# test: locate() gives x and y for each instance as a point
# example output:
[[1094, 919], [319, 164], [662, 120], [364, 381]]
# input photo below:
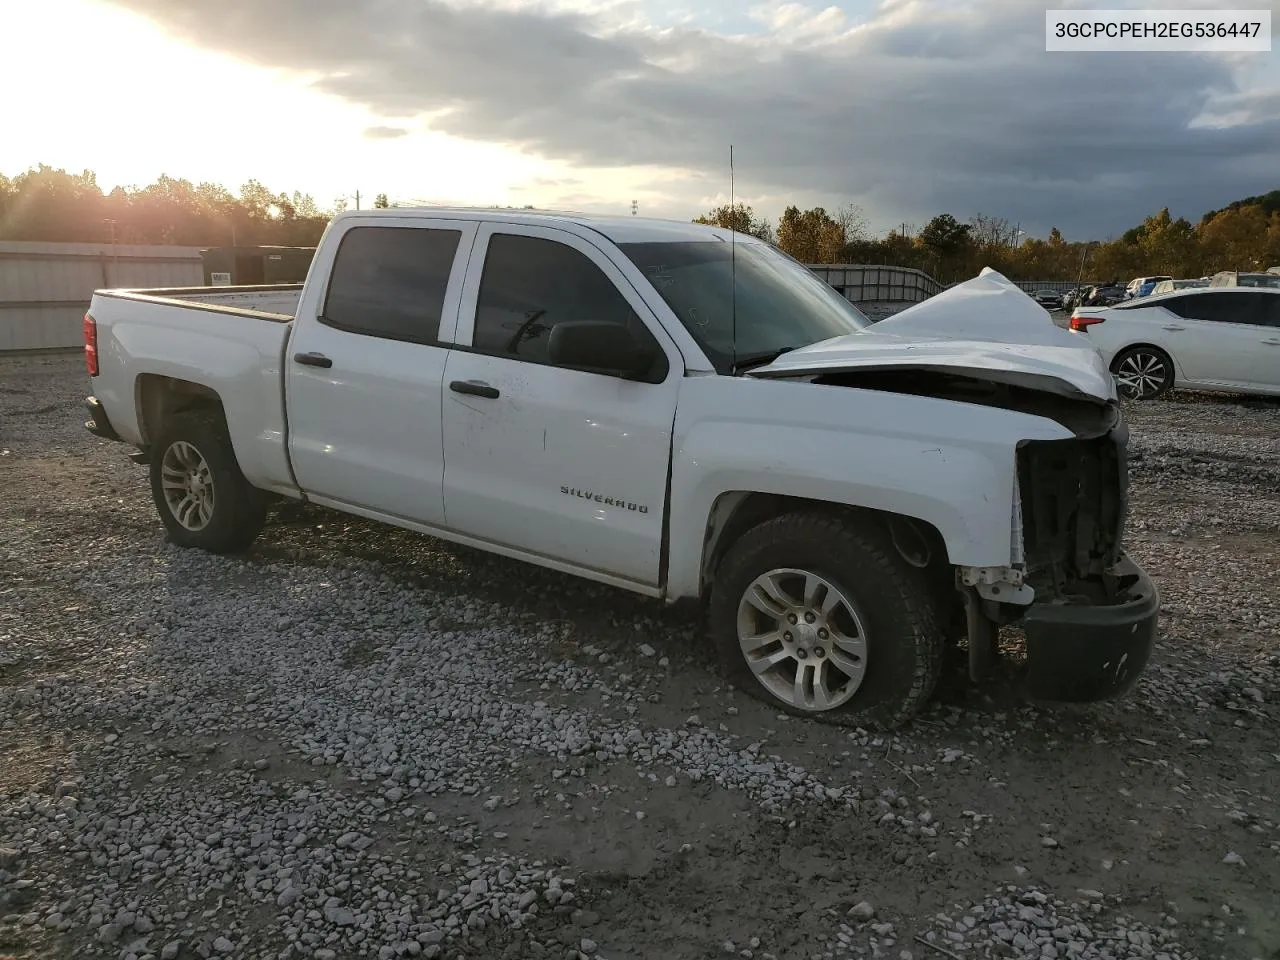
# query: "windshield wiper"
[[760, 359]]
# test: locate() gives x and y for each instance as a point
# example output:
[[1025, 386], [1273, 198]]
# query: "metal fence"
[[1057, 286], [862, 283], [45, 288]]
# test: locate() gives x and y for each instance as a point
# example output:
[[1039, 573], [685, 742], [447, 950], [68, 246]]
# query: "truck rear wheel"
[[814, 614], [202, 497]]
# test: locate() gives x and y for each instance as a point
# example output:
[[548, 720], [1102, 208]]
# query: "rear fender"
[[237, 358]]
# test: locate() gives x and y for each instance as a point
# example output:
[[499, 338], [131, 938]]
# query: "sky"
[[906, 108]]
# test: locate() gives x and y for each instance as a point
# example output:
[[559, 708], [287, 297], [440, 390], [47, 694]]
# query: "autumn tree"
[[1169, 245], [1235, 240], [45, 203], [739, 218], [811, 236], [1117, 262], [1273, 239]]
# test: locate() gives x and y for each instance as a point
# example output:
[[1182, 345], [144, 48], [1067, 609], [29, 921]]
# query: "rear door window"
[[390, 282], [1271, 309], [1223, 307]]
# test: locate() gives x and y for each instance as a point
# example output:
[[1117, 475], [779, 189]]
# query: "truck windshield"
[[780, 306]]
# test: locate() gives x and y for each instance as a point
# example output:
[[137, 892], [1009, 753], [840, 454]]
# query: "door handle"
[[312, 360], [1274, 342], [1173, 326], [474, 388]]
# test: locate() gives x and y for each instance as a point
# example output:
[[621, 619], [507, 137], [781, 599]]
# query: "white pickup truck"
[[670, 409]]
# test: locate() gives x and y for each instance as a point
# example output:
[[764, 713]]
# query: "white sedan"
[[1224, 339]]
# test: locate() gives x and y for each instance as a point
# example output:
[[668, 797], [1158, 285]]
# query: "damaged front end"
[[1091, 628], [1088, 612]]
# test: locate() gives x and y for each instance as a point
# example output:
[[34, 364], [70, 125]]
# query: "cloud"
[[925, 105], [543, 183], [385, 133]]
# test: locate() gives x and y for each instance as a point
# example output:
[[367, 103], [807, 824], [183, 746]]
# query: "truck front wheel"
[[202, 497], [816, 614]]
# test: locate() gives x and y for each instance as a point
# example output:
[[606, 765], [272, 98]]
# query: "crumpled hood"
[[985, 328]]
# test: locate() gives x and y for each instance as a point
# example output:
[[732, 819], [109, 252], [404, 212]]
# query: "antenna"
[[733, 272]]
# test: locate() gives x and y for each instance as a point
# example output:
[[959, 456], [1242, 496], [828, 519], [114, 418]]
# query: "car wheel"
[[819, 615], [1142, 373], [202, 497]]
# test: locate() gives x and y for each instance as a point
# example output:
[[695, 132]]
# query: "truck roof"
[[619, 229]]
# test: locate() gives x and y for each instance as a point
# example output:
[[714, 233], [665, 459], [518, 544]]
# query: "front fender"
[[949, 464]]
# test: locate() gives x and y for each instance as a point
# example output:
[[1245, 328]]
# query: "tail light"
[[91, 344], [1081, 324]]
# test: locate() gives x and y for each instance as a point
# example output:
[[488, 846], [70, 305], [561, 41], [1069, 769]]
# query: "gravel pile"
[[1032, 923], [357, 742]]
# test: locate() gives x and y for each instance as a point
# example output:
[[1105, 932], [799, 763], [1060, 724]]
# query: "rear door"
[[1266, 370], [563, 463], [1213, 336], [366, 364]]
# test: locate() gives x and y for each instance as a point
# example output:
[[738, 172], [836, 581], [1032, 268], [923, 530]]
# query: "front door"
[[563, 463], [366, 364]]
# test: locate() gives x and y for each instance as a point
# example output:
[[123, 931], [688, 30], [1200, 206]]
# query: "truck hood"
[[985, 328]]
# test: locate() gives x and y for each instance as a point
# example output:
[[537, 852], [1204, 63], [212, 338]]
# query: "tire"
[[193, 450], [889, 662], [1142, 373]]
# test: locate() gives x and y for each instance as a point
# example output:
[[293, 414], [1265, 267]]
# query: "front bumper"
[[98, 423], [1080, 653]]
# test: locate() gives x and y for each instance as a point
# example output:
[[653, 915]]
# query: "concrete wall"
[[45, 288]]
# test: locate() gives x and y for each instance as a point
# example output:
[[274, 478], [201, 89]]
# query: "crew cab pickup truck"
[[675, 410]]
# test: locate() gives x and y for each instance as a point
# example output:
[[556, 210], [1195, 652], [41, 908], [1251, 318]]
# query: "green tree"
[[946, 242], [380, 202], [944, 236]]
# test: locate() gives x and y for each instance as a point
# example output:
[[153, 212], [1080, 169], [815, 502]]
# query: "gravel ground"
[[359, 742]]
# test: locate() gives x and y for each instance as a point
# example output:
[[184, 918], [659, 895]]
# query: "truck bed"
[[230, 337], [276, 302]]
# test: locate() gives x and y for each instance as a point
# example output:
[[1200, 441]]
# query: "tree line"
[[51, 204], [45, 203], [1242, 236]]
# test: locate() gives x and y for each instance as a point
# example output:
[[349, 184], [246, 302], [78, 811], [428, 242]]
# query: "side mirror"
[[600, 346]]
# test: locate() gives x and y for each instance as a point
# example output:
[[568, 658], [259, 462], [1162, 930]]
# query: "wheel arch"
[[735, 512], [1149, 345], [161, 397]]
